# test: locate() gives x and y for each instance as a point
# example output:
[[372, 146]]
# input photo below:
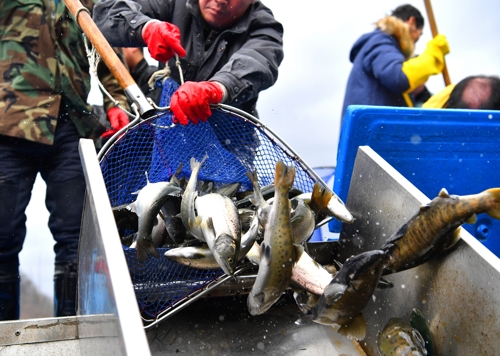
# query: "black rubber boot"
[[9, 298], [65, 284]]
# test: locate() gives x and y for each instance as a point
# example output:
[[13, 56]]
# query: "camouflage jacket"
[[43, 61]]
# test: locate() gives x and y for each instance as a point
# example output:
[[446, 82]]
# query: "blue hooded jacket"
[[376, 77]]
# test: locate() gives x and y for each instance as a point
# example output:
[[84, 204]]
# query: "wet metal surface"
[[105, 289], [223, 326], [458, 293]]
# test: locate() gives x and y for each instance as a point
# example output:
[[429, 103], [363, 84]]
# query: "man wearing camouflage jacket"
[[43, 114]]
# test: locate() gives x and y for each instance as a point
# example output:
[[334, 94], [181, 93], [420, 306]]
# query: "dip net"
[[235, 143]]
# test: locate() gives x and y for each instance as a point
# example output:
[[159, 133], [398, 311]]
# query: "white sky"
[[304, 106]]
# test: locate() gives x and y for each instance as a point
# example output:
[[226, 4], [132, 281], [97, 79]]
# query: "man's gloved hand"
[[118, 119], [163, 40], [430, 62], [191, 101]]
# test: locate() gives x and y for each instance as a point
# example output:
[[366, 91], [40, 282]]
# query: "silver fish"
[[220, 224], [188, 214], [278, 252], [149, 201], [202, 257], [303, 221]]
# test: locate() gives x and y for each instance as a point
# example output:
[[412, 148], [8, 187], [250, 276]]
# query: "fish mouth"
[[367, 263], [226, 253]]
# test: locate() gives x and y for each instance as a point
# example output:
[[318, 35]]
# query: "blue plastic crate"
[[454, 149]]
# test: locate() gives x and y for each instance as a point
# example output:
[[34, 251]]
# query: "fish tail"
[[255, 182], [145, 249], [194, 164], [354, 329], [285, 175], [320, 197], [494, 210]]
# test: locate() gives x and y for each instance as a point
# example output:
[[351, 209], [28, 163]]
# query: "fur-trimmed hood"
[[395, 27]]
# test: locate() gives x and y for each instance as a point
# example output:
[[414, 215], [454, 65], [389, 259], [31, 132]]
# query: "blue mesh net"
[[234, 144]]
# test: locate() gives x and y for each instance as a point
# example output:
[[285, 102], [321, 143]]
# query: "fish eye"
[[230, 260]]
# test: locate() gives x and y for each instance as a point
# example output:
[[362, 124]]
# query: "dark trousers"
[[60, 167]]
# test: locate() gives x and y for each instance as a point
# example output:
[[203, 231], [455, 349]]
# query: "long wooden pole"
[[434, 30]]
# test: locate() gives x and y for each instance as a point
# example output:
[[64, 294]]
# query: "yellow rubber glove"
[[437, 101], [430, 62]]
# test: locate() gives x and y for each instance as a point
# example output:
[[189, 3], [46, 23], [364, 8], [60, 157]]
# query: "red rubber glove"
[[118, 119], [191, 101], [163, 40]]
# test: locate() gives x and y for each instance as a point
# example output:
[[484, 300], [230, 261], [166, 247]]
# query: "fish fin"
[[266, 254], [284, 175], [210, 224], [132, 207], [443, 193], [299, 250], [255, 182], [471, 219], [424, 207], [494, 211], [198, 220], [355, 328], [179, 169], [384, 284], [146, 248], [453, 239]]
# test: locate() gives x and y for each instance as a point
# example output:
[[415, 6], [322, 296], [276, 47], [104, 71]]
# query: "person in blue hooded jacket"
[[384, 71]]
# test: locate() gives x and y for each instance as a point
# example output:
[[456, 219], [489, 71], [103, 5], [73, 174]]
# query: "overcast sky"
[[304, 106]]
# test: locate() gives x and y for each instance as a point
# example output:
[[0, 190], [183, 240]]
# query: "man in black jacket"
[[230, 49]]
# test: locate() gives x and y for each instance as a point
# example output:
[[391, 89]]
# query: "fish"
[[220, 224], [159, 233], [436, 227], [147, 206], [188, 214], [303, 221], [347, 295], [246, 217], [173, 223], [125, 219], [418, 322], [307, 274], [399, 338], [278, 252], [202, 257], [324, 202]]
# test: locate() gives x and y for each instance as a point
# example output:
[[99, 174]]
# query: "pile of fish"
[[211, 228]]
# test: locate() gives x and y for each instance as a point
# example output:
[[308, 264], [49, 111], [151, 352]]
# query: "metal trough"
[[458, 293]]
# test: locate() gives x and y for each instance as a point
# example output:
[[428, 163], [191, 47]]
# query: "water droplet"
[[416, 139]]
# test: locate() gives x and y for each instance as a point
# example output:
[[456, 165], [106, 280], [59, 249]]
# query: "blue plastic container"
[[444, 148]]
